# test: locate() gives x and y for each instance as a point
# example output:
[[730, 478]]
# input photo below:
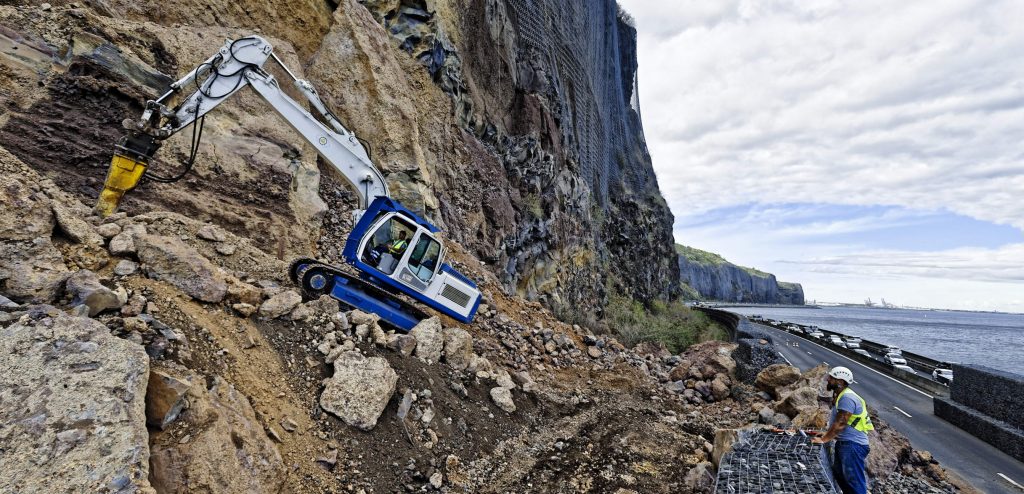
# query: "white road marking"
[[901, 411], [784, 358], [1008, 479], [893, 379], [809, 353]]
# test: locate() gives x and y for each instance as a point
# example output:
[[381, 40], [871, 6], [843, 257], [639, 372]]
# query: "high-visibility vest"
[[398, 246], [860, 421]]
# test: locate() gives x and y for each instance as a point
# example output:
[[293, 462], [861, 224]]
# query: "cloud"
[[829, 102]]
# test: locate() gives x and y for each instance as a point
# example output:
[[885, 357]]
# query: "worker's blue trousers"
[[848, 467]]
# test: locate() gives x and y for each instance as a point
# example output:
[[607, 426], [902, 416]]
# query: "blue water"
[[992, 340]]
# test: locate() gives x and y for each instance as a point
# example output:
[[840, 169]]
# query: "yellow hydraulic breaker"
[[131, 157]]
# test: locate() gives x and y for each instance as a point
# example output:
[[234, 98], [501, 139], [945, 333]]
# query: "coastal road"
[[909, 410]]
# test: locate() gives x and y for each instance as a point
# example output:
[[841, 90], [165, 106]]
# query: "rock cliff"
[[713, 278], [513, 125]]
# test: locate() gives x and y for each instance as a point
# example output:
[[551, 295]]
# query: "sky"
[[863, 149]]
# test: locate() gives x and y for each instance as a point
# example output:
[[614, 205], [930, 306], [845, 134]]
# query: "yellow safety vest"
[[860, 421], [398, 246]]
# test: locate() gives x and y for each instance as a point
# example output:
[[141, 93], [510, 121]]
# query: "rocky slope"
[[710, 277], [512, 125], [156, 352]]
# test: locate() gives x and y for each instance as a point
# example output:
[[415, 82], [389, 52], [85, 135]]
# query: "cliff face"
[[714, 278], [512, 124]]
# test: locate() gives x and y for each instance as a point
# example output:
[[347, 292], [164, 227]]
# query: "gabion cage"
[[765, 462]]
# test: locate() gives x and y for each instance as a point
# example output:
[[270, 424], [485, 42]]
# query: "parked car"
[[904, 368], [852, 344], [894, 359], [893, 349], [943, 376], [817, 335], [862, 352]]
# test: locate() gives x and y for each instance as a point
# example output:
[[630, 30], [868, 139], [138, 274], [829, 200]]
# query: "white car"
[[943, 376], [817, 334], [904, 368], [853, 342], [863, 352], [893, 349], [837, 341], [894, 359]]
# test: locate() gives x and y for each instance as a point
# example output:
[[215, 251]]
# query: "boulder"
[[125, 243], [85, 288], [776, 376], [32, 271], [165, 395], [811, 417], [720, 387], [125, 267], [358, 317], [171, 260], [458, 348], [72, 407], [243, 293], [26, 215], [212, 233], [359, 390], [681, 371], [402, 343], [228, 450], [280, 304], [793, 401], [320, 309], [503, 398], [429, 339], [75, 227], [108, 230]]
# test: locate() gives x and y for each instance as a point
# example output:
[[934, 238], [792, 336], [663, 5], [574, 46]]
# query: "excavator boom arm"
[[237, 64]]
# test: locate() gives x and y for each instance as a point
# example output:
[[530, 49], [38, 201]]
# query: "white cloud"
[[833, 102], [918, 105]]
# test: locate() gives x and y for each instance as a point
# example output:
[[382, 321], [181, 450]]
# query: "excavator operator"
[[398, 245]]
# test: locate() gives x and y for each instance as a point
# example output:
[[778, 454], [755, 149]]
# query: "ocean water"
[[989, 339]]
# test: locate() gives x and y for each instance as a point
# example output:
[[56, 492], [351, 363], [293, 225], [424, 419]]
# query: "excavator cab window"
[[388, 244], [423, 261]]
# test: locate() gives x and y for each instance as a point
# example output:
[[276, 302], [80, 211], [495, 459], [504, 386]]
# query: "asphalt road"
[[909, 410]]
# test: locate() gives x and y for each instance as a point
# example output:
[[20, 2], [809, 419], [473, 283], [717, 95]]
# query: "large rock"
[[793, 401], [359, 390], [228, 450], [502, 397], [776, 376], [280, 304], [72, 408], [75, 227], [429, 339], [85, 288], [165, 395], [458, 348], [171, 260], [31, 268]]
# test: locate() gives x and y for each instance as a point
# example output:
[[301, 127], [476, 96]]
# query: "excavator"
[[397, 255]]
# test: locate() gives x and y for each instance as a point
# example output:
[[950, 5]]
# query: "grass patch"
[[673, 324], [711, 259]]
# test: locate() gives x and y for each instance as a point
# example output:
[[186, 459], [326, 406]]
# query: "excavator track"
[[317, 279]]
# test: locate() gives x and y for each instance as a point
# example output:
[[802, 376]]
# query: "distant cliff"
[[708, 276]]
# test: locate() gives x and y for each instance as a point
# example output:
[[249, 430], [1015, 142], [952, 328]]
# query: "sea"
[[986, 338]]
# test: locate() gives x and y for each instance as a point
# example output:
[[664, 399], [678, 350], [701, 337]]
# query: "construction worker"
[[398, 246], [848, 424]]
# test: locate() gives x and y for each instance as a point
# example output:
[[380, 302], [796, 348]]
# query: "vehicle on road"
[[816, 334], [863, 352], [894, 359], [943, 376], [893, 349], [853, 342], [837, 341], [904, 368]]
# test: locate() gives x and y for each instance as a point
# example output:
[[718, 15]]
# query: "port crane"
[[394, 251]]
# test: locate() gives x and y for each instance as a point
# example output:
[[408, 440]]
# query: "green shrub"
[[673, 323]]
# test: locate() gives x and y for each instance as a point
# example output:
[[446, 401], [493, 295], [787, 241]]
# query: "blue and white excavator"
[[395, 252]]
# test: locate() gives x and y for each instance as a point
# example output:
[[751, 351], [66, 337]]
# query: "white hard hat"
[[842, 373]]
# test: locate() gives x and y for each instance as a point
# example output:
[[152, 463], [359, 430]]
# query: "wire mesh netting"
[[765, 462], [590, 64]]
